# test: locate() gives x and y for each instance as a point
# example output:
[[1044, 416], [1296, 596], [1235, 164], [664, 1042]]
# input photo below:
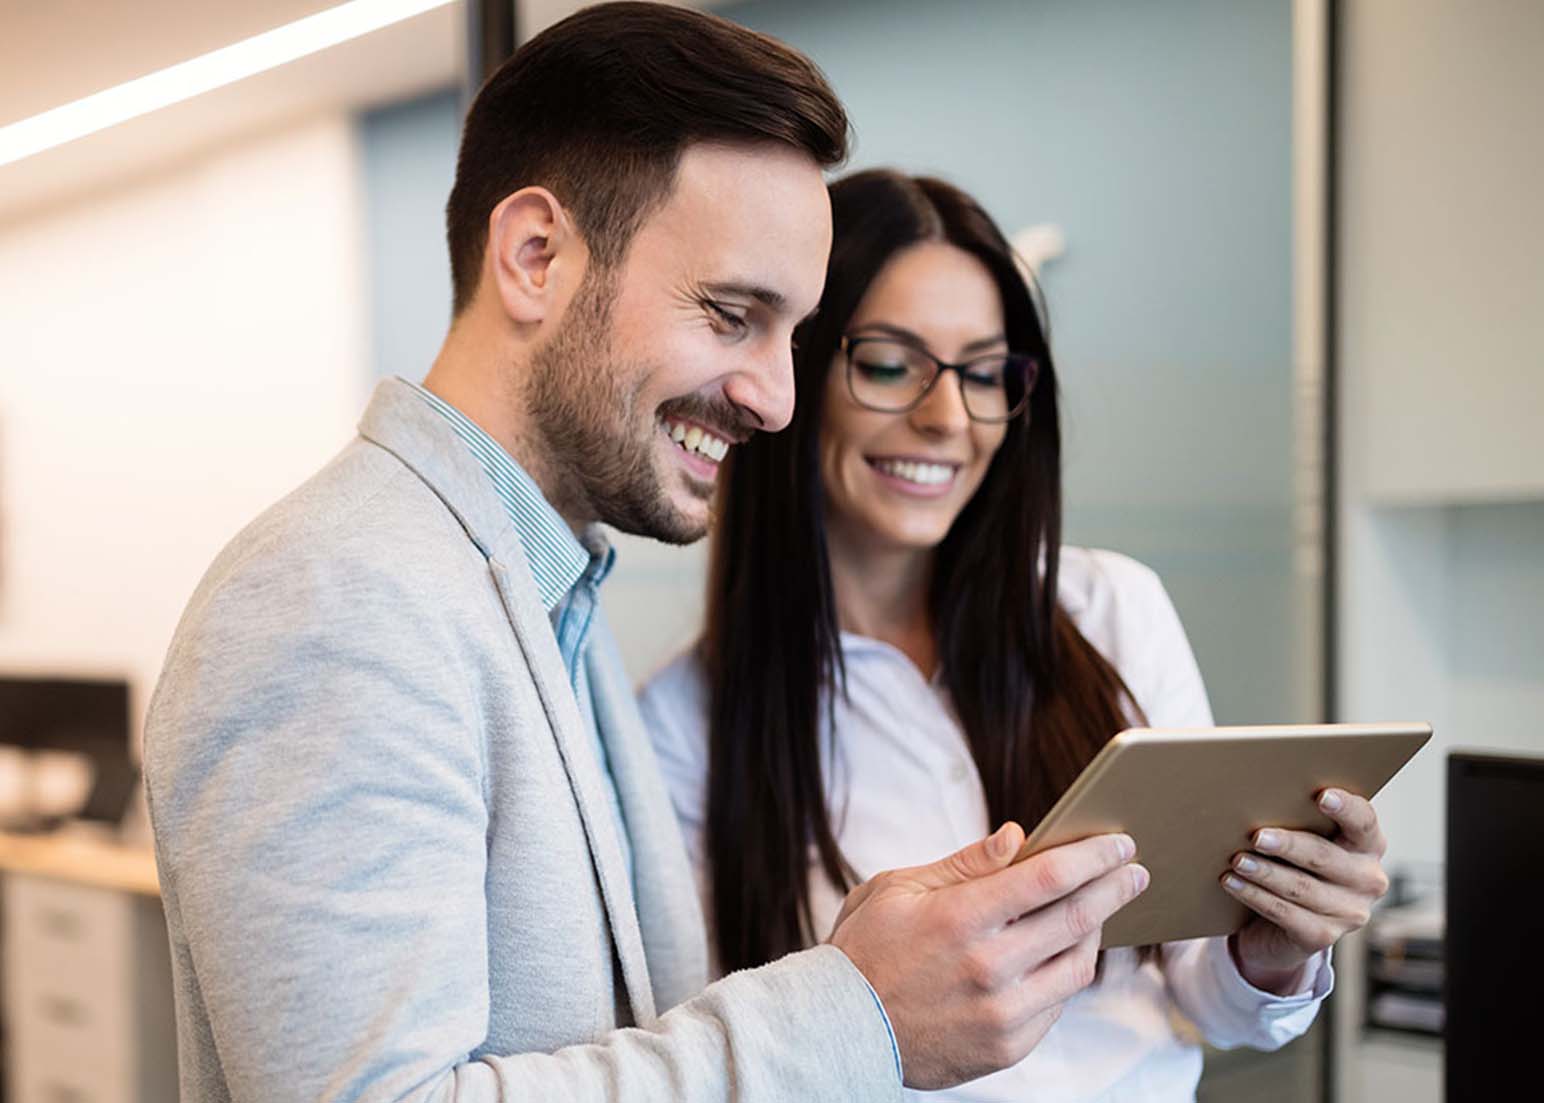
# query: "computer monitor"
[[1494, 968], [90, 717]]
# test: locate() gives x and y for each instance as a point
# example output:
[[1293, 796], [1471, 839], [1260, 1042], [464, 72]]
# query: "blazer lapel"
[[402, 423], [534, 631], [668, 907]]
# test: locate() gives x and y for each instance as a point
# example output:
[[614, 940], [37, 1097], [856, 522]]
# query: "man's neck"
[[465, 374]]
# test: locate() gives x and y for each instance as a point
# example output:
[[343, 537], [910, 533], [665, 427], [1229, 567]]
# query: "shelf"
[[81, 860]]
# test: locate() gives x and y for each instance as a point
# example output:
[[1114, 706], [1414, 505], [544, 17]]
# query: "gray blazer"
[[390, 867]]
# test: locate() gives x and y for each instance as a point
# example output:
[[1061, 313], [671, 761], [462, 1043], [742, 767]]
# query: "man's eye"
[[724, 316]]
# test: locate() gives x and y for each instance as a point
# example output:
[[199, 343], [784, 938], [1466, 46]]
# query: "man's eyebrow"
[[766, 296]]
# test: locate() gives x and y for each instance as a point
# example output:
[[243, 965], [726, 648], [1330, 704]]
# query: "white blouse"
[[904, 790]]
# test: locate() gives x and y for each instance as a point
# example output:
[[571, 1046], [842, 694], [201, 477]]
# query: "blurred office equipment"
[[1495, 907], [64, 752], [86, 991], [1405, 960]]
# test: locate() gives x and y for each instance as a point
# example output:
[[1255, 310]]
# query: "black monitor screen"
[[89, 717], [1495, 926]]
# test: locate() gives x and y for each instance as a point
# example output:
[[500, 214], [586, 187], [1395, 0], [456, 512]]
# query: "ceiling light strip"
[[202, 74]]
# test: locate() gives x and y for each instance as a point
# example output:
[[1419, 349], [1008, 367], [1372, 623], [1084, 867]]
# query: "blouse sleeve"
[[675, 712], [1202, 978]]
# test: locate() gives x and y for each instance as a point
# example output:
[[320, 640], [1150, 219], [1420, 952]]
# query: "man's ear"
[[536, 255]]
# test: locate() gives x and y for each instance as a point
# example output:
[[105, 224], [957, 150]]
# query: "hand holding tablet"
[[1306, 891], [1198, 800]]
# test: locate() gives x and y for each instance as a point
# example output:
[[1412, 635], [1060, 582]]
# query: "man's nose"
[[765, 390]]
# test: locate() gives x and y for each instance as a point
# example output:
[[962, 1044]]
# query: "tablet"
[[1193, 797]]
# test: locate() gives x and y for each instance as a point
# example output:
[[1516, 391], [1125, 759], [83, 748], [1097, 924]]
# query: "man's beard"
[[583, 400]]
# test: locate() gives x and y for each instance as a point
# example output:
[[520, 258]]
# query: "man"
[[413, 843]]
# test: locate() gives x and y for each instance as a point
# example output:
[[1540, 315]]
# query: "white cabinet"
[[87, 995], [1441, 242]]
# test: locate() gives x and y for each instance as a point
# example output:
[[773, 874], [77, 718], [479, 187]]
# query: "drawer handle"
[[62, 1011], [61, 924]]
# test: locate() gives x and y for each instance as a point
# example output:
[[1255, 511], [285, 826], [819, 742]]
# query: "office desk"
[[87, 992]]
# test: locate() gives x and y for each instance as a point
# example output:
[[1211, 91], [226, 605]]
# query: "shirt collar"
[[558, 559]]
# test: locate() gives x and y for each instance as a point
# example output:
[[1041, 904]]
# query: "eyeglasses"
[[894, 376]]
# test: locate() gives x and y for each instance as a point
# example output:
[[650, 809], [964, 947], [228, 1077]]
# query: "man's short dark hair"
[[599, 108]]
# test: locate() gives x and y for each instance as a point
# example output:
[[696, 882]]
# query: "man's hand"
[[1307, 892], [973, 956]]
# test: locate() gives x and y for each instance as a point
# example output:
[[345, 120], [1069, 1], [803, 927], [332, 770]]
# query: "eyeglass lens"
[[893, 376]]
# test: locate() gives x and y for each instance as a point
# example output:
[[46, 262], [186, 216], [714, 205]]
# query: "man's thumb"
[[979, 859]]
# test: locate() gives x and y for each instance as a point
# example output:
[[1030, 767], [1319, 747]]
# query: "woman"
[[899, 654]]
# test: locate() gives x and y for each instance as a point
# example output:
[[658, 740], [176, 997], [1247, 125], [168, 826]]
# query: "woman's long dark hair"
[[1035, 699]]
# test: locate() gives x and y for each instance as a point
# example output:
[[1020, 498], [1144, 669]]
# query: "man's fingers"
[[1074, 919], [1046, 877], [1356, 819], [1066, 974]]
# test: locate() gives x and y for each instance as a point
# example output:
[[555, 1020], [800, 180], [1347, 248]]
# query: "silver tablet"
[[1193, 797]]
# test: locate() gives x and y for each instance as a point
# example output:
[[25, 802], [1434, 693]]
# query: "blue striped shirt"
[[568, 572]]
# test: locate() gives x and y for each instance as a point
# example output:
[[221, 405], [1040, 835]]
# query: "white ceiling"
[[56, 51]]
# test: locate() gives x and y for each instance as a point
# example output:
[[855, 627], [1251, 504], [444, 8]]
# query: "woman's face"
[[898, 480]]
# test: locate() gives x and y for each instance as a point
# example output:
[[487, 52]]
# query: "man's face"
[[662, 365]]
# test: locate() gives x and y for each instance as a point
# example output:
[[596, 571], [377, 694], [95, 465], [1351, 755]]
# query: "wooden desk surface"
[[82, 860]]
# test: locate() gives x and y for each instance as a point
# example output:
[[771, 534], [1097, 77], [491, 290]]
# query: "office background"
[[187, 329]]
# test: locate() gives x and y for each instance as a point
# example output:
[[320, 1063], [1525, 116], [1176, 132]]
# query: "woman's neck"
[[882, 593]]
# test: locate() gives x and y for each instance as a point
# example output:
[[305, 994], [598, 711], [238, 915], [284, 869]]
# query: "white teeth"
[[923, 474], [693, 438]]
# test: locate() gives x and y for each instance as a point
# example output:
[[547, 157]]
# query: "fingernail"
[[997, 845], [1330, 801], [1140, 878], [1267, 841], [1246, 864], [1126, 847], [1232, 883]]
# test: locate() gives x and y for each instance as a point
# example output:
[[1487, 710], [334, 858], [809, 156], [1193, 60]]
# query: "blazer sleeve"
[[317, 793]]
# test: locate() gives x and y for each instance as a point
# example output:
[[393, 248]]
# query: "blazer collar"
[[400, 421]]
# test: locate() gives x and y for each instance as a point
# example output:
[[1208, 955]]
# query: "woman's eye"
[[882, 373], [988, 373]]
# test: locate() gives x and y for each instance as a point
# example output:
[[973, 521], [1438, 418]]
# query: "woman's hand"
[[1306, 891]]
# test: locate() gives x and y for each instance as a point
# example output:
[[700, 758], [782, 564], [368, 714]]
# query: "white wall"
[[174, 356]]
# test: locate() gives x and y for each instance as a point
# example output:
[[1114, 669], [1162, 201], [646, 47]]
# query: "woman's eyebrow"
[[889, 330], [983, 343], [904, 334]]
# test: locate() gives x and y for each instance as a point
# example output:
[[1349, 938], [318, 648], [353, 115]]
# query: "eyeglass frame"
[[845, 345]]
